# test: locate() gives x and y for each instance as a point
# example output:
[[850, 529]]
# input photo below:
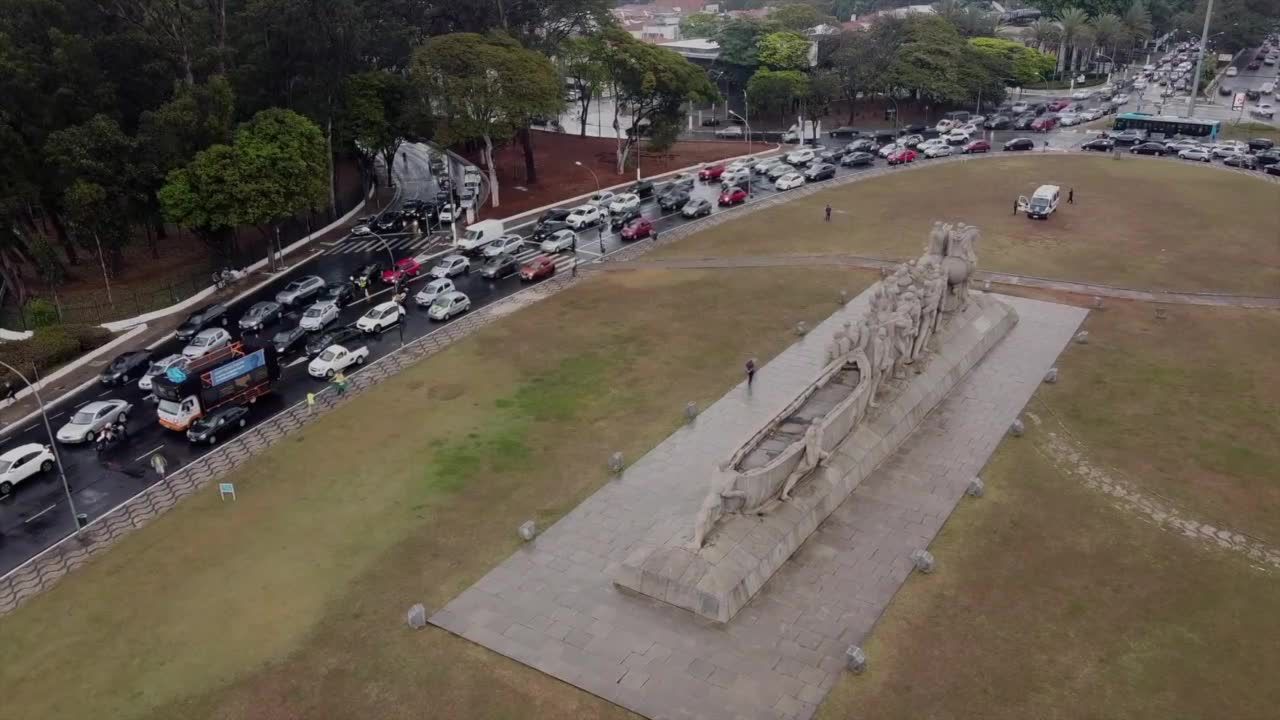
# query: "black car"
[[861, 145], [858, 159], [206, 317], [642, 188], [1148, 148], [820, 171], [911, 141], [710, 121], [125, 367], [1273, 169], [1099, 145], [831, 156], [1129, 137], [1024, 121], [547, 230], [844, 132], [391, 221], [683, 184], [617, 221], [913, 129], [1268, 157], [554, 215], [218, 424], [1242, 161], [673, 199], [288, 340], [1224, 91], [366, 273], [260, 315], [337, 336], [1040, 108], [1259, 144], [338, 293], [1253, 94], [499, 266], [998, 122], [1020, 144], [697, 207]]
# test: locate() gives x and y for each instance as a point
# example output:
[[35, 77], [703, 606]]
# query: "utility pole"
[[106, 280], [1195, 81]]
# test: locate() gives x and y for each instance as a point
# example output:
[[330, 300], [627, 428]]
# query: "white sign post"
[[225, 489]]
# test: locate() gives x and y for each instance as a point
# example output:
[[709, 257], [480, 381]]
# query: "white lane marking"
[[54, 417], [30, 427], [588, 252], [149, 452], [104, 392], [299, 361], [86, 402], [42, 512]]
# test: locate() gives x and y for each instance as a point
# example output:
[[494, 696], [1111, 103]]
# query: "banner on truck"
[[236, 368]]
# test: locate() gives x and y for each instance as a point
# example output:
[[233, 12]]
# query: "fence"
[[95, 307]]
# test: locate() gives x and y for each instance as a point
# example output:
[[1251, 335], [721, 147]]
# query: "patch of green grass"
[[1250, 130], [1135, 222]]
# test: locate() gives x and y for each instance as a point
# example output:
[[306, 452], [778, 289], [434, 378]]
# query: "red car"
[[711, 172], [539, 268], [1044, 124], [405, 268], [1057, 105], [637, 229], [732, 196], [977, 146], [902, 156]]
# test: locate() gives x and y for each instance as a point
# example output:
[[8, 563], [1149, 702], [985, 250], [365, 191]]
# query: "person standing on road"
[[1071, 196], [1045, 146], [340, 383], [600, 234], [751, 371], [828, 217], [1015, 207]]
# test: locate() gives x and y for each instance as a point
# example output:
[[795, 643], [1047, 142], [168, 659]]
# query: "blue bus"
[[1169, 125]]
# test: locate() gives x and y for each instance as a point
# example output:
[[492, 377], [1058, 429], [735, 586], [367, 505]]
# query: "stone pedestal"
[[744, 551]]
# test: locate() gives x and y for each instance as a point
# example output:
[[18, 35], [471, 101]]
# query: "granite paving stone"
[[783, 652]]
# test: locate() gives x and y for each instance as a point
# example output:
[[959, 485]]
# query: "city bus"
[[1169, 125]]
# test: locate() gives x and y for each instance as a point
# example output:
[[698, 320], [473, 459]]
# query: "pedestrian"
[[1071, 196], [828, 218], [340, 383], [1045, 146], [600, 232], [1015, 207], [311, 402], [751, 371]]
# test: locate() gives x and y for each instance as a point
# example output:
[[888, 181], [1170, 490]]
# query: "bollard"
[[1161, 313], [986, 285], [855, 659], [976, 488], [1017, 428], [844, 297], [527, 530], [690, 411], [1097, 302], [802, 327], [615, 463], [923, 561], [1082, 337], [1051, 377], [417, 616]]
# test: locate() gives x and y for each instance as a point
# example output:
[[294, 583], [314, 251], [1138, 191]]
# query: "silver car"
[[451, 265], [160, 367], [90, 419], [300, 290], [448, 305]]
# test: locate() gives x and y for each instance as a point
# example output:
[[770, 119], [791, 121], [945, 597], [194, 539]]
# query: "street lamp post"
[[750, 180], [53, 446], [746, 109], [593, 174], [1195, 81]]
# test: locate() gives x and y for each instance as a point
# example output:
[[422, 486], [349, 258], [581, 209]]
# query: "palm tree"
[[1137, 23], [1045, 34], [1083, 48], [1073, 22], [1109, 31]]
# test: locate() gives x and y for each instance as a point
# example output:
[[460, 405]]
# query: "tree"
[[1045, 33], [378, 114], [776, 90], [797, 17], [1109, 32], [487, 87], [784, 51], [282, 168], [206, 195], [926, 64], [1025, 65], [700, 25], [582, 65], [1137, 22], [176, 22], [739, 41], [1074, 23], [650, 84], [860, 61]]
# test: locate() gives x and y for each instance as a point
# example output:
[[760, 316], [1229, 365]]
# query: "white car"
[[559, 241], [318, 316], [968, 128], [1263, 110], [624, 203], [938, 151], [21, 463], [447, 213], [1140, 85], [958, 137], [448, 305], [361, 231], [503, 244], [944, 125], [1229, 148], [1082, 95], [803, 156], [788, 181], [90, 419], [450, 265], [433, 290], [602, 198], [1233, 71], [334, 359], [158, 368], [1195, 154], [890, 149], [1093, 114], [380, 317], [744, 163], [1120, 99], [762, 167], [1020, 107], [583, 216], [205, 342], [1067, 119]]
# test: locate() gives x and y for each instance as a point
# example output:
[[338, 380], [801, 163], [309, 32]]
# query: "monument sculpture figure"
[[812, 457]]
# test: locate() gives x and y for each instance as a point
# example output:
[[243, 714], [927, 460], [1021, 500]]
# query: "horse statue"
[[959, 264]]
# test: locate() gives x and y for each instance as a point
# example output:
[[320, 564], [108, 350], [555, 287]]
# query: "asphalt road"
[[35, 515]]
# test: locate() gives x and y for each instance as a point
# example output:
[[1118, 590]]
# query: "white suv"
[[803, 156], [583, 216]]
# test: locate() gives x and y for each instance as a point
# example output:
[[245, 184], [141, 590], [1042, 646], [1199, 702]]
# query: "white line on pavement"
[[104, 392], [149, 452], [33, 517], [33, 426], [86, 402]]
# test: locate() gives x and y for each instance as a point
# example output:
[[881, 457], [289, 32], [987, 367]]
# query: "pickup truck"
[[335, 359]]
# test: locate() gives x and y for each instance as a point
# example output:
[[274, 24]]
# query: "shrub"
[[41, 313], [49, 347]]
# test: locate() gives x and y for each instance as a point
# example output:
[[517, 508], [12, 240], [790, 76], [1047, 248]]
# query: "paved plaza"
[[552, 604]]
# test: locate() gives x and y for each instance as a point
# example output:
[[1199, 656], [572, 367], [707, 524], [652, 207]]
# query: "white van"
[[480, 234], [1044, 202]]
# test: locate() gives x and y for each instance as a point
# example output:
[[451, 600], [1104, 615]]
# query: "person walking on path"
[[1015, 207], [311, 403], [751, 371], [828, 218], [340, 383], [1071, 196]]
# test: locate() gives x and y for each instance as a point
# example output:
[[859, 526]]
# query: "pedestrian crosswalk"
[[563, 260], [361, 244]]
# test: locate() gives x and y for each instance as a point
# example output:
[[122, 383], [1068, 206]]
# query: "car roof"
[[209, 332], [452, 257], [451, 295], [15, 452], [382, 306], [97, 405], [440, 282]]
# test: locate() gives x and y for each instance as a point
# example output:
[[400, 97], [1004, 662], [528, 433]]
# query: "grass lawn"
[[1052, 602], [1249, 130], [290, 602], [1136, 223]]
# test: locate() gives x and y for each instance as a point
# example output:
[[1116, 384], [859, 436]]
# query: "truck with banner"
[[235, 374]]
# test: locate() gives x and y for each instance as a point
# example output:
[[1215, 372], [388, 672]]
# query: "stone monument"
[[922, 331]]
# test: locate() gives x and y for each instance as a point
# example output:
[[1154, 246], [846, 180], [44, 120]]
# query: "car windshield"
[[283, 336], [443, 302], [82, 418], [203, 423], [314, 312], [5, 465], [1039, 204], [328, 355], [201, 340], [295, 285]]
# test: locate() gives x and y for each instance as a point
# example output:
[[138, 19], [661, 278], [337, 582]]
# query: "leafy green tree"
[[739, 41], [97, 163], [1045, 34], [488, 87], [379, 114], [1109, 33], [1026, 65], [582, 65], [1137, 22], [700, 25], [776, 90], [1074, 23], [798, 17], [206, 196], [927, 60], [650, 86], [784, 51], [860, 61]]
